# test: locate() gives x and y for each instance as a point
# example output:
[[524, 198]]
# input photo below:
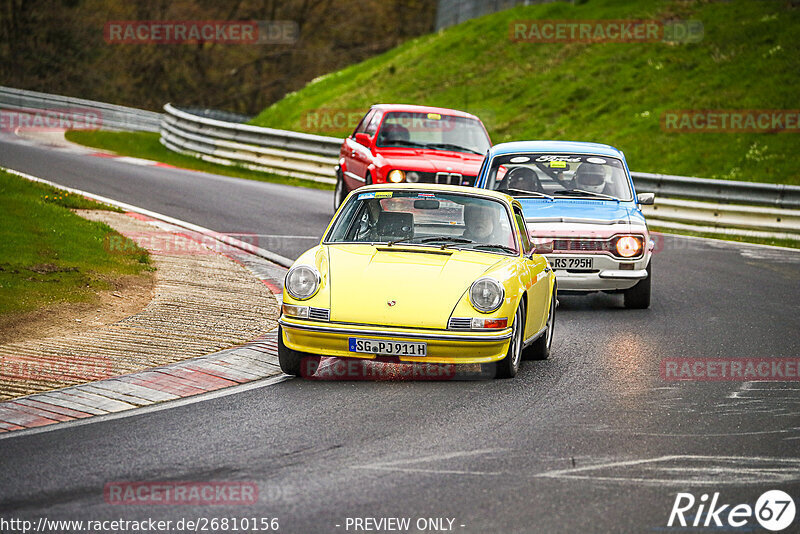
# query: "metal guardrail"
[[314, 157], [724, 216], [722, 191], [294, 154], [111, 116]]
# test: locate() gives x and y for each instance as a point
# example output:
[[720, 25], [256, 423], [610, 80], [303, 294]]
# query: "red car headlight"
[[396, 176]]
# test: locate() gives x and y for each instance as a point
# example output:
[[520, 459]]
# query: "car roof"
[[411, 108], [577, 147], [472, 191]]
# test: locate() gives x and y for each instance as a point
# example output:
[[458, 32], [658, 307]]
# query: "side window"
[[364, 122], [526, 239], [375, 120]]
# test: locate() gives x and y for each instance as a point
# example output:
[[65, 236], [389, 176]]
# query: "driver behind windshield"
[[522, 179], [591, 177], [479, 223]]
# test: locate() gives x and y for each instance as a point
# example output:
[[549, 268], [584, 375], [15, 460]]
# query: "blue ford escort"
[[582, 213]]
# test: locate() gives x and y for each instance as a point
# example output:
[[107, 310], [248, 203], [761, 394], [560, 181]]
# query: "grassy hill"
[[749, 58]]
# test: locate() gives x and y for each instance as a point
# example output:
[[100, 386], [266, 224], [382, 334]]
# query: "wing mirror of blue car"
[[363, 139], [545, 247], [646, 199]]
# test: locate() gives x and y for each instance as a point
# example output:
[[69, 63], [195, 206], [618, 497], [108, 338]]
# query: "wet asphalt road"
[[592, 440]]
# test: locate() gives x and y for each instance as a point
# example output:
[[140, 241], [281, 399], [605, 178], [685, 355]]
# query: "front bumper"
[[607, 275], [444, 346]]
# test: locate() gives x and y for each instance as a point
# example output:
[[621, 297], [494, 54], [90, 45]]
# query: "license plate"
[[392, 348], [572, 263]]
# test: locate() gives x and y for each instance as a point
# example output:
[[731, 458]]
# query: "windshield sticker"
[[519, 159], [599, 161], [426, 195], [558, 164], [383, 194], [434, 116], [559, 158], [366, 196]]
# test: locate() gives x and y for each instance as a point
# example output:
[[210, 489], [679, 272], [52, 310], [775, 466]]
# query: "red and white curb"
[[250, 363], [134, 161]]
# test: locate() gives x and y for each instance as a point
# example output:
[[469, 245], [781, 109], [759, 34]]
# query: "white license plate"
[[392, 348], [572, 263]]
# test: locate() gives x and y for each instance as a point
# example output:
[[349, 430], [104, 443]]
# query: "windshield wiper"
[[403, 142], [501, 247], [524, 193], [450, 146], [581, 192], [453, 240]]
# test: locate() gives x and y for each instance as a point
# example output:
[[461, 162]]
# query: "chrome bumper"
[[349, 330]]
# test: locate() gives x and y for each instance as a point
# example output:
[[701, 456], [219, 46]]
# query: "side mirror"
[[646, 199], [363, 139], [545, 247]]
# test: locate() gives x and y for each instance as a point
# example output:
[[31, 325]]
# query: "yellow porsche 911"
[[420, 273]]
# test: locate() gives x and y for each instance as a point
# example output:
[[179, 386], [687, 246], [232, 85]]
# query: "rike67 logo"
[[774, 510]]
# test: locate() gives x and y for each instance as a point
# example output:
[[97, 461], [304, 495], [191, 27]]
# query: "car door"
[[355, 161], [535, 279]]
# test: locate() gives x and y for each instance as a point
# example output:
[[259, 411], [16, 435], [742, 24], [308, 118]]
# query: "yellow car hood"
[[424, 283]]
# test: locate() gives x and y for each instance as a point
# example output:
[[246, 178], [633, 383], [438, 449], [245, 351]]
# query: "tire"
[[638, 297], [293, 362], [540, 349], [340, 193], [508, 366]]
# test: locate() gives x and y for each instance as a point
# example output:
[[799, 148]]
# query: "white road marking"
[[398, 465], [786, 470]]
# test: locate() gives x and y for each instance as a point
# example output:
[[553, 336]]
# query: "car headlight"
[[302, 282], [486, 294], [412, 177], [396, 176], [628, 246]]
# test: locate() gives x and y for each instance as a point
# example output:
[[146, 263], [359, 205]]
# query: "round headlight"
[[412, 177], [396, 176], [302, 282], [628, 246], [486, 294]]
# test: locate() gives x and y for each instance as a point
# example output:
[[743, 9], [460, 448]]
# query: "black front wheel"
[[294, 362], [508, 366], [638, 297], [340, 193]]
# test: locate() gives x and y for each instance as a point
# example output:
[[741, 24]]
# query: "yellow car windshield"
[[425, 218]]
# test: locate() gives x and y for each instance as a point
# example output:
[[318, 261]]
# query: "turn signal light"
[[480, 322]]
